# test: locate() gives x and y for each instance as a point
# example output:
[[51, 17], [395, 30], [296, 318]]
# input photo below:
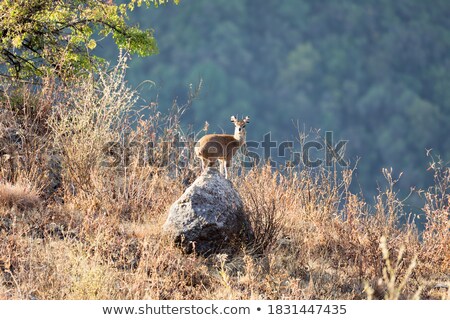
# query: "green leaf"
[[91, 44], [54, 35]]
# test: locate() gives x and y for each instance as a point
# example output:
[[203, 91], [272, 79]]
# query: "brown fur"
[[222, 147]]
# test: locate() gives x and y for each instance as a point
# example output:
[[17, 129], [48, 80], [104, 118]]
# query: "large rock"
[[209, 216]]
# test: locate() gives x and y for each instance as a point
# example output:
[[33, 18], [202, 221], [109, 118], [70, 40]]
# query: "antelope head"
[[239, 130]]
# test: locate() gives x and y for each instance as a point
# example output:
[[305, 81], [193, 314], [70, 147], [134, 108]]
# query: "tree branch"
[[14, 59]]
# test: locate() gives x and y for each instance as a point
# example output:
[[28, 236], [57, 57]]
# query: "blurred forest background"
[[375, 73]]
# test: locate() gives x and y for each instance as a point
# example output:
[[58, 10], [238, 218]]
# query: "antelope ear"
[[233, 119], [247, 119]]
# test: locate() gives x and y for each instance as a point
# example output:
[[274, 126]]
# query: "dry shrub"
[[85, 121], [393, 283], [24, 132], [262, 207], [55, 270], [20, 195], [134, 193], [328, 237], [435, 251]]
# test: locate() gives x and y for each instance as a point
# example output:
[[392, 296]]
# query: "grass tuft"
[[19, 195]]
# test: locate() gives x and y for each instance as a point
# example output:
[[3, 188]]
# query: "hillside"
[[81, 210]]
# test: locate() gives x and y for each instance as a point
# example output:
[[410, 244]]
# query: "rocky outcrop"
[[209, 216]]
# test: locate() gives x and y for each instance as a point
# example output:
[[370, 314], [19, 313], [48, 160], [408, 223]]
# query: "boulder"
[[208, 217]]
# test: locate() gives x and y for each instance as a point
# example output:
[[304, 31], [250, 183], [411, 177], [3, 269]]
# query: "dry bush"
[[85, 121], [24, 132], [435, 251], [18, 195], [262, 207], [394, 281], [329, 238]]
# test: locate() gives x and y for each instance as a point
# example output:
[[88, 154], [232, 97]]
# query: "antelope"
[[222, 147]]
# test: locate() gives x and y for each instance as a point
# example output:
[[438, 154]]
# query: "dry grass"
[[80, 230], [21, 196]]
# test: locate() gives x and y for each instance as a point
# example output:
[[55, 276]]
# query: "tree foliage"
[[38, 36]]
